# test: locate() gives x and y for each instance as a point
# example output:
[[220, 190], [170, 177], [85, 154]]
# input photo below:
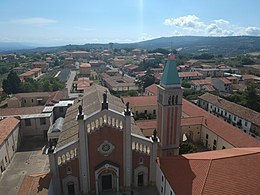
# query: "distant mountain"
[[12, 46], [189, 44], [214, 45]]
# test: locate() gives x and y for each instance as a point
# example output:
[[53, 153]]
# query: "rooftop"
[[190, 74], [92, 101], [226, 131], [236, 109], [7, 125], [229, 171], [170, 74], [152, 89], [21, 111], [141, 101]]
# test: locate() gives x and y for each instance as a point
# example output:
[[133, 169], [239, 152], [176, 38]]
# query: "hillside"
[[189, 44]]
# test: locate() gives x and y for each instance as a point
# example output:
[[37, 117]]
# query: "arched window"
[[176, 100], [169, 100], [173, 100]]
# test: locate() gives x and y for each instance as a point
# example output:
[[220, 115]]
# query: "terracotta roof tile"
[[189, 74], [233, 108], [228, 132], [229, 171], [152, 89], [7, 125], [141, 100], [21, 111]]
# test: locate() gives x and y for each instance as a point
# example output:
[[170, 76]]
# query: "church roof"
[[170, 74], [229, 171], [91, 103]]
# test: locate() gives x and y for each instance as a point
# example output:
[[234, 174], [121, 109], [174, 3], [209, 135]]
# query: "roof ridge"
[[206, 177]]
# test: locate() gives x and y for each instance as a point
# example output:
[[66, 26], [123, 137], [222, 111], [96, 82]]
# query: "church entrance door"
[[107, 182], [141, 179]]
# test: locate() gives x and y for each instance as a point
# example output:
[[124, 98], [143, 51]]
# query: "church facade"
[[101, 149]]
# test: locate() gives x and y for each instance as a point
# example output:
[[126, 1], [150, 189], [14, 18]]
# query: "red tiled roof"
[[146, 124], [85, 65], [225, 81], [141, 101], [201, 82], [228, 132], [152, 124], [152, 89], [189, 74], [35, 184], [236, 109], [229, 171], [21, 111], [7, 125]]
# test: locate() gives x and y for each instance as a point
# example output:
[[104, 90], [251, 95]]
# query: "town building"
[[151, 90], [33, 74], [9, 141], [138, 105], [244, 118], [204, 84], [84, 68], [118, 82], [230, 171], [101, 149], [188, 76], [222, 84]]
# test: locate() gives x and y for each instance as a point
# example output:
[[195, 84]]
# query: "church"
[[99, 148]]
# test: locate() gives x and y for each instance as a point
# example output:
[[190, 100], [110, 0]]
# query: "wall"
[[36, 129]]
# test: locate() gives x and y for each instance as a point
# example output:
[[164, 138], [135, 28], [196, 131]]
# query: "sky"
[[59, 22]]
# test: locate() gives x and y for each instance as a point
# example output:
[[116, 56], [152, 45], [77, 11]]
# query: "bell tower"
[[169, 100]]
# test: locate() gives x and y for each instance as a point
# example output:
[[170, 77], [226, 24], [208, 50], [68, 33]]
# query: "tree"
[[12, 84], [251, 98]]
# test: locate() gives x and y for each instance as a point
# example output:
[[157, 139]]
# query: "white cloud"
[[193, 25], [221, 21], [252, 31], [215, 30], [189, 21], [34, 21]]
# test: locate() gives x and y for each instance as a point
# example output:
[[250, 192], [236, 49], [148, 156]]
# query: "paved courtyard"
[[28, 160]]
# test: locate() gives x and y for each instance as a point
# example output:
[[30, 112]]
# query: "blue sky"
[[56, 22]]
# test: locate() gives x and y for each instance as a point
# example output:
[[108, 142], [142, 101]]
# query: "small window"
[[68, 170], [32, 100], [215, 142], [245, 123], [214, 148], [141, 160], [24, 101], [223, 147], [145, 111], [161, 189], [5, 159], [43, 121], [162, 178], [207, 136], [27, 122], [154, 111], [171, 193], [235, 118]]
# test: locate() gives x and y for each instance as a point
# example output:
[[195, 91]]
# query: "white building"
[[9, 141]]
